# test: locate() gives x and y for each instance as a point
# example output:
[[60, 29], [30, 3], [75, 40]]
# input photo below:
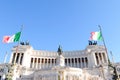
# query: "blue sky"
[[48, 23]]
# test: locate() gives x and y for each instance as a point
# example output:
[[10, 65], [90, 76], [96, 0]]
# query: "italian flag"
[[13, 38], [96, 36]]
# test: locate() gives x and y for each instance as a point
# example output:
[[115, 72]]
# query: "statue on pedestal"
[[59, 50], [60, 58]]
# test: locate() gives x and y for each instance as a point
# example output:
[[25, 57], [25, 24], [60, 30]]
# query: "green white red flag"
[[13, 38], [96, 36]]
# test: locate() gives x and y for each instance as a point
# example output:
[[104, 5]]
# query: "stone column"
[[15, 58], [40, 63], [47, 62], [37, 63], [81, 63], [99, 58], [53, 62], [74, 62], [105, 57], [77, 63], [50, 62], [19, 58], [33, 63], [71, 62], [85, 63], [43, 64], [93, 58], [67, 61], [102, 58], [11, 58]]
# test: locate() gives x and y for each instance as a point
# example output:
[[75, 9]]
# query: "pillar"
[[77, 63], [33, 63], [47, 62], [21, 59], [74, 62], [71, 62], [81, 63], [99, 58], [20, 55], [37, 63], [15, 58], [102, 57], [44, 63], [96, 56], [67, 61], [54, 62], [50, 62], [40, 63]]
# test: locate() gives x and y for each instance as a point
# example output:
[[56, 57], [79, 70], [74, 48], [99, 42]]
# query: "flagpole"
[[104, 43], [17, 47], [21, 33], [112, 57]]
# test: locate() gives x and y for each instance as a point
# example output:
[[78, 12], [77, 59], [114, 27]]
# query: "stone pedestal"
[[60, 61]]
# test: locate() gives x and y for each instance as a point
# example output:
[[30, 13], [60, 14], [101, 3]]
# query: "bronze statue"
[[59, 50]]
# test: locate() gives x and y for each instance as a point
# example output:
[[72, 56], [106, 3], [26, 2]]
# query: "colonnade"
[[40, 63], [77, 62], [100, 58], [17, 58]]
